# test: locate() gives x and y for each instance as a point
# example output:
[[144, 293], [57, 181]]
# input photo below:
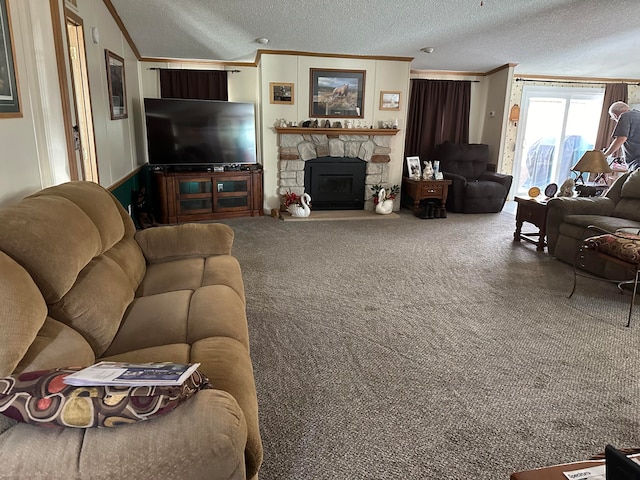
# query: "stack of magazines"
[[131, 374]]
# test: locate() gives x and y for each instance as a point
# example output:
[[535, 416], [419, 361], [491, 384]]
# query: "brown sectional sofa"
[[567, 219], [78, 284]]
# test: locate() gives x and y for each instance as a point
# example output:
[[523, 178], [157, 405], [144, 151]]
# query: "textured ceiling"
[[576, 38]]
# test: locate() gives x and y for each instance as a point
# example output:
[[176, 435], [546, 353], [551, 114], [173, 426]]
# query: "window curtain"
[[194, 84], [438, 111], [613, 92]]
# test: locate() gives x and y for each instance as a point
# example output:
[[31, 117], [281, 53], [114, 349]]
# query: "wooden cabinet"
[[416, 190], [193, 196]]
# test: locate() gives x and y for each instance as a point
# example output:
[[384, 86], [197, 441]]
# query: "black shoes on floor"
[[430, 210]]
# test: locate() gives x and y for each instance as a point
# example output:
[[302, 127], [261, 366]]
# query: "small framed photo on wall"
[[389, 100], [281, 93], [116, 85]]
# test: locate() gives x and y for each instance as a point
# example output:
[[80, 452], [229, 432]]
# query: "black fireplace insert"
[[335, 183]]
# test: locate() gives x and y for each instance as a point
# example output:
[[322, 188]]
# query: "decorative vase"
[[301, 210]]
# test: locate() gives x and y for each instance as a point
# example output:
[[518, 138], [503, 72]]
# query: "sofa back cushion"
[[22, 313], [468, 160], [76, 241], [629, 204]]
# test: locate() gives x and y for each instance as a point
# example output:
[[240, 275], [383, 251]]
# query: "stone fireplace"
[[295, 149]]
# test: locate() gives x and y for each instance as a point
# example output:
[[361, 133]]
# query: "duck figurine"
[[301, 211], [384, 207]]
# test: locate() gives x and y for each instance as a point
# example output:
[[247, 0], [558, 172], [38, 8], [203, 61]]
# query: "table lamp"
[[593, 161]]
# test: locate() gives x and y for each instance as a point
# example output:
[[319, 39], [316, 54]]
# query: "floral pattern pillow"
[[625, 246], [42, 398]]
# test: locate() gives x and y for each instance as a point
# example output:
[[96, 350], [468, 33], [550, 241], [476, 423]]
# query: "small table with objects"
[[534, 211], [418, 190]]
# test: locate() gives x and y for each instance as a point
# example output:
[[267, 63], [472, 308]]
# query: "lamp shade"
[[593, 161]]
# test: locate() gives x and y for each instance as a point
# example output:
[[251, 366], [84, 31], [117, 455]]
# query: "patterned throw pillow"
[[42, 398], [625, 246]]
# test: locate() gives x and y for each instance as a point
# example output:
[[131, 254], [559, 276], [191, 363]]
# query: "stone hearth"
[[296, 149]]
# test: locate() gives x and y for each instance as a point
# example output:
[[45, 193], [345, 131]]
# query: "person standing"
[[626, 135]]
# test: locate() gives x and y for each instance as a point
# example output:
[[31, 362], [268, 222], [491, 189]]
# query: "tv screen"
[[199, 132]]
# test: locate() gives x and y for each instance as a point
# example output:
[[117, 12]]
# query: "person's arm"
[[615, 145]]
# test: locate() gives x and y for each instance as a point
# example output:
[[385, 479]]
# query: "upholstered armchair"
[[476, 187]]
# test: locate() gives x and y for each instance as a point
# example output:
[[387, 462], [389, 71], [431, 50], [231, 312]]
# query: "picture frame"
[[281, 93], [389, 100], [9, 90], [336, 93], [414, 170], [116, 85]]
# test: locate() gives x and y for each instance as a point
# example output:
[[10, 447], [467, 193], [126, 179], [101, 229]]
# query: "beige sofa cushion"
[[96, 303], [53, 265], [96, 203], [190, 240], [22, 313], [56, 346], [227, 365], [211, 438], [182, 316]]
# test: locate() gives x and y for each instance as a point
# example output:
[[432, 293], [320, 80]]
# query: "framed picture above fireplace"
[[336, 93]]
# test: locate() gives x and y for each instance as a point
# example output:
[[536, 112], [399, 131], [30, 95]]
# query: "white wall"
[[34, 152], [380, 75], [496, 113], [28, 157]]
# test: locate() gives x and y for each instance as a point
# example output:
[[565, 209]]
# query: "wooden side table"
[[532, 210], [418, 190]]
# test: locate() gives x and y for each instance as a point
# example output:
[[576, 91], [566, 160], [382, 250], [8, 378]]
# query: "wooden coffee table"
[[532, 210]]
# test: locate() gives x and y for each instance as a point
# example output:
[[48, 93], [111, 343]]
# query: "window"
[[557, 126]]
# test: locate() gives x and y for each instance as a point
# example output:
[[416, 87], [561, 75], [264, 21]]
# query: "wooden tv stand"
[[185, 196]]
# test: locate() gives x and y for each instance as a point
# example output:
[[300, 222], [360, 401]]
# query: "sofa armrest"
[[205, 437], [500, 178], [456, 192], [560, 207], [165, 243]]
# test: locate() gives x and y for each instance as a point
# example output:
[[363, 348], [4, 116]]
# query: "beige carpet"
[[429, 349], [318, 215]]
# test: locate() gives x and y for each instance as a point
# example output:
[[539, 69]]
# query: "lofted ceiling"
[[573, 38]]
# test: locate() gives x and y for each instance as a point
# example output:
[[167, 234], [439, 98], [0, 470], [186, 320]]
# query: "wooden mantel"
[[334, 132]]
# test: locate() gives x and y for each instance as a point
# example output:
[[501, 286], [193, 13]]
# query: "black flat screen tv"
[[199, 132]]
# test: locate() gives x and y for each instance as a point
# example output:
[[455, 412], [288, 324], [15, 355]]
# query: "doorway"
[[87, 165], [557, 126]]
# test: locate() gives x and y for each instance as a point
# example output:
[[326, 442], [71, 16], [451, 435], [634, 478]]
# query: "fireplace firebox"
[[335, 183]]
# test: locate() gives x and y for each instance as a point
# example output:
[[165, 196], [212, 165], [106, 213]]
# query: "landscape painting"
[[336, 93]]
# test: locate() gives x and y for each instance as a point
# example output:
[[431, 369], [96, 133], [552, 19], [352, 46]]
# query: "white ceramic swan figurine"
[[301, 211], [383, 207]]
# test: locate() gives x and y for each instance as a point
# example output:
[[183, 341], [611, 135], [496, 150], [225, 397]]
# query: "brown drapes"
[[438, 111], [613, 92], [196, 84]]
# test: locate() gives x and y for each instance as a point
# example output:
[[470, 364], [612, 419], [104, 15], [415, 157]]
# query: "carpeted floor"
[[429, 349]]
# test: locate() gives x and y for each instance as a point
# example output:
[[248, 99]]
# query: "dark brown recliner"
[[476, 187]]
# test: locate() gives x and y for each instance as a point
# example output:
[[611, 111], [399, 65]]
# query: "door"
[[557, 126], [83, 129]]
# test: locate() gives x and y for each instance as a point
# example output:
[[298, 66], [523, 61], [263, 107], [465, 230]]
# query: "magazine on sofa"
[[132, 374]]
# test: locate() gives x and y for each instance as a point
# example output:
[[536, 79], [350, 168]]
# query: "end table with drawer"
[[534, 211], [418, 190]]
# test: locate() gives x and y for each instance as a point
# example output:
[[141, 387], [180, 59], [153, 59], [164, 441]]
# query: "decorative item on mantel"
[[383, 199], [297, 206]]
